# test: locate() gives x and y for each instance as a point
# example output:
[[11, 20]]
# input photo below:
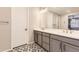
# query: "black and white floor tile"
[[28, 48]]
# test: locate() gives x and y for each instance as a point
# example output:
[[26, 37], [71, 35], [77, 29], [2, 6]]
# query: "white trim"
[[30, 42]]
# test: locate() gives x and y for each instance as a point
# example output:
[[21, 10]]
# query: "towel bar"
[[4, 22]]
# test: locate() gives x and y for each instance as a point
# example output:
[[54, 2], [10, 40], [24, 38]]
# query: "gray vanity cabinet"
[[35, 36], [45, 41], [55, 45], [39, 38], [70, 48], [42, 39]]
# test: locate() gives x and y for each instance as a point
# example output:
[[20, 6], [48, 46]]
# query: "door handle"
[[25, 29]]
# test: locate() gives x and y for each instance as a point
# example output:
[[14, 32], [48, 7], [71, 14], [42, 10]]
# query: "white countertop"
[[74, 34]]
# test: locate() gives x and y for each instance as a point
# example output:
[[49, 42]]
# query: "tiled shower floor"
[[28, 48]]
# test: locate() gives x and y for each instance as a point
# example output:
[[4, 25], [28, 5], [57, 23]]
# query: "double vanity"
[[56, 40]]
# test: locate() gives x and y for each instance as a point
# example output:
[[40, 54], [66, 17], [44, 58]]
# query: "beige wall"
[[5, 32]]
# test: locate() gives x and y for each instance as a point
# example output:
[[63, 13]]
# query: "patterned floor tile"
[[28, 48]]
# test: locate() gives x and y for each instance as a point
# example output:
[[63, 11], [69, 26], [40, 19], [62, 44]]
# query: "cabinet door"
[[46, 46], [39, 39], [45, 43], [70, 48], [55, 45], [19, 26], [35, 36], [45, 39]]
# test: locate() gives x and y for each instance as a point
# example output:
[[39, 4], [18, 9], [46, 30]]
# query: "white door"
[[5, 38], [19, 24]]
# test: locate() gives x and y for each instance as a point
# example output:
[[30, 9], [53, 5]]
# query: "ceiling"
[[64, 10]]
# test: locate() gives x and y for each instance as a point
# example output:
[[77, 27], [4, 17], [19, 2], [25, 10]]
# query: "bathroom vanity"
[[55, 40]]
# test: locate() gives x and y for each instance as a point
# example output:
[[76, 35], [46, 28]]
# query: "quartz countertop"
[[73, 34]]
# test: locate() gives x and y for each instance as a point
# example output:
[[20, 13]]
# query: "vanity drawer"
[[39, 32], [46, 34], [55, 36], [66, 39]]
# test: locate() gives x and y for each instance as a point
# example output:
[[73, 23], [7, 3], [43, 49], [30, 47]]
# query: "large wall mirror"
[[73, 22], [60, 18]]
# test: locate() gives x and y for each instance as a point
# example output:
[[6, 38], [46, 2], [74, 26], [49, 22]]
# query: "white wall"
[[43, 18], [36, 16]]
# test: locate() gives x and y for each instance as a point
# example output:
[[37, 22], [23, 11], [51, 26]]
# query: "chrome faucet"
[[67, 31]]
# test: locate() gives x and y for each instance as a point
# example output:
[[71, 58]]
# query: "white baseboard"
[[30, 42]]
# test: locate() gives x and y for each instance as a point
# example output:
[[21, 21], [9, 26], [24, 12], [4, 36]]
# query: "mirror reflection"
[[59, 18]]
